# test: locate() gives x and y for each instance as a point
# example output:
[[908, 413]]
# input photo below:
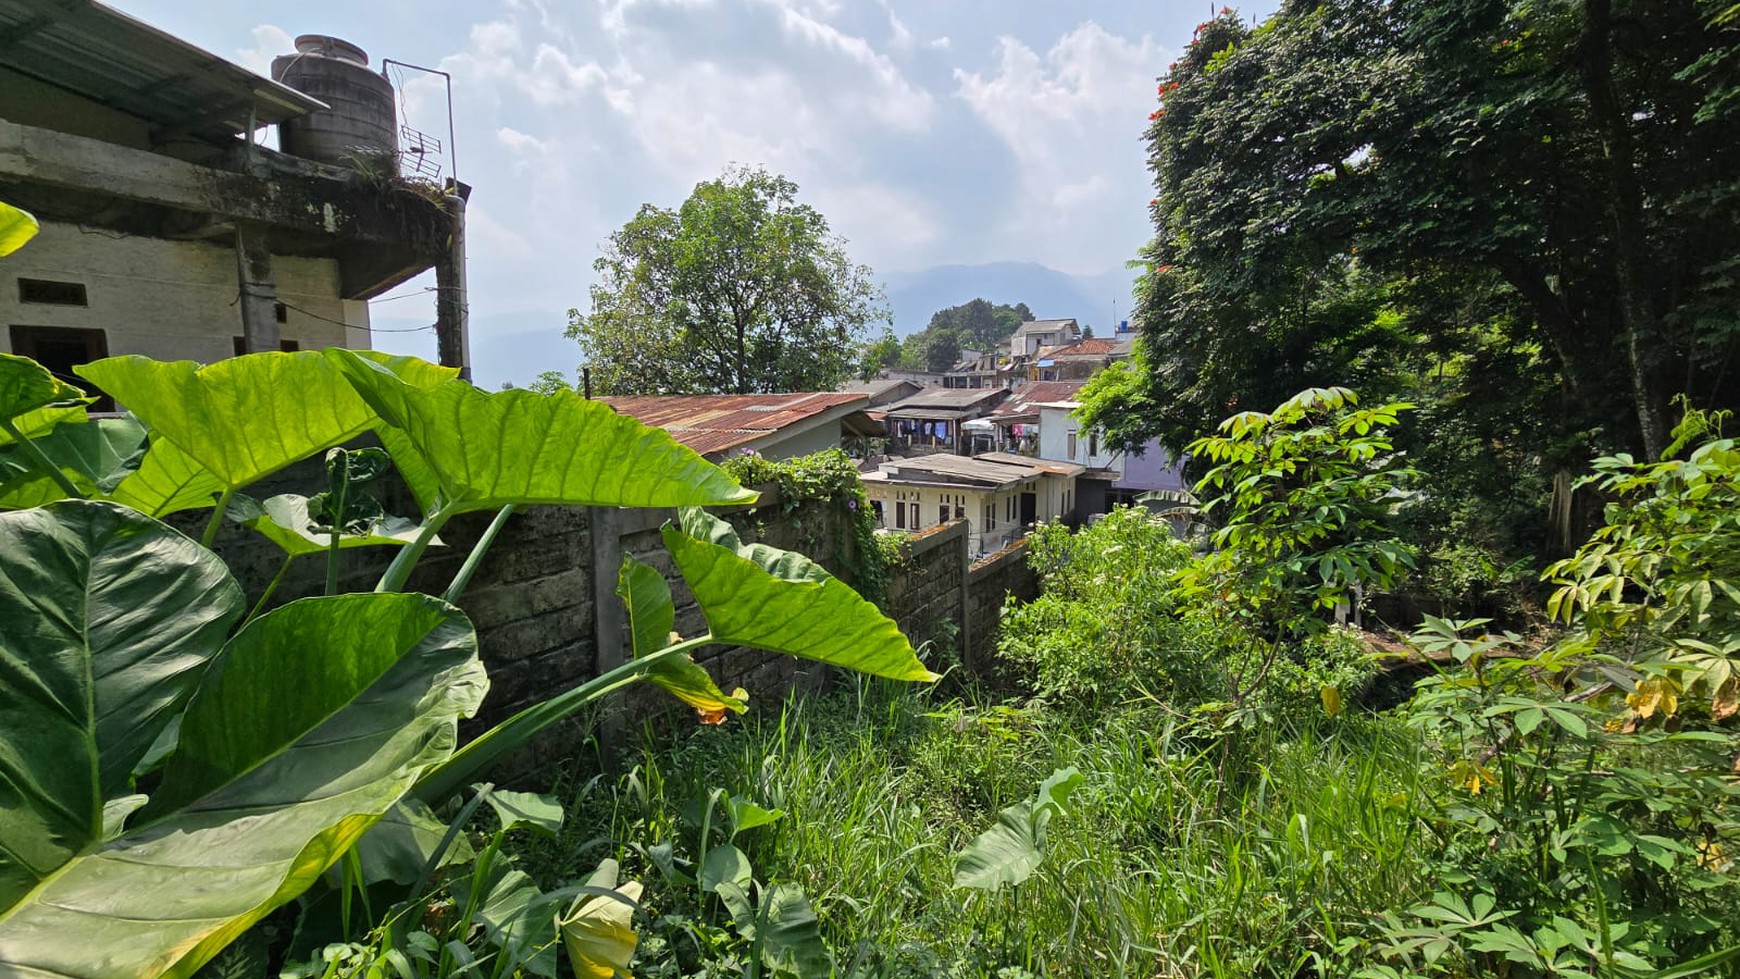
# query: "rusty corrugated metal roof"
[[1026, 398], [712, 423]]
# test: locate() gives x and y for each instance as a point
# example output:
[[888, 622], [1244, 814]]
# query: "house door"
[[1029, 509]]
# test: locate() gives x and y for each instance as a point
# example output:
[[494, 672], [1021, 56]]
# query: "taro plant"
[[171, 771]]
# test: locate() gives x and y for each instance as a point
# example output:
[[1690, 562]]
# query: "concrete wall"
[[172, 300], [544, 605]]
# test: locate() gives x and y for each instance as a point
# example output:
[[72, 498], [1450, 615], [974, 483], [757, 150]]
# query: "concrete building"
[[1000, 496], [933, 418], [1077, 361], [883, 390], [1035, 335], [168, 231], [1110, 478], [776, 426]]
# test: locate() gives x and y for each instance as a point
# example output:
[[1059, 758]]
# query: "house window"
[[60, 349], [960, 512], [1093, 443], [288, 346], [52, 293], [990, 516], [281, 312], [900, 516], [1009, 508], [1072, 446], [876, 508]]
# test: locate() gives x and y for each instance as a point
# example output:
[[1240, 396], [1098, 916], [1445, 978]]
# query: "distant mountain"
[[1051, 294]]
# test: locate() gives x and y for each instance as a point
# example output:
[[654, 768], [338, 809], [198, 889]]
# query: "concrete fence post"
[[607, 616]]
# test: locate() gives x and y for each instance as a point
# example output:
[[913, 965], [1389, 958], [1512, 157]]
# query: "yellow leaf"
[[1726, 700], [1331, 699], [598, 930], [1652, 696]]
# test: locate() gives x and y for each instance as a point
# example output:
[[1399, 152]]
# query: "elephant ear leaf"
[[93, 456], [488, 450], [167, 481], [270, 783], [16, 228], [755, 595], [108, 620], [598, 928], [651, 617], [27, 390], [241, 418], [1010, 851], [285, 520]]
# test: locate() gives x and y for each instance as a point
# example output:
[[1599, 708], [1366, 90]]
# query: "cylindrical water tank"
[[360, 128]]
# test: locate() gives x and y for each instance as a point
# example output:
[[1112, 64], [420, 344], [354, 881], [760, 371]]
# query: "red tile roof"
[[711, 423]]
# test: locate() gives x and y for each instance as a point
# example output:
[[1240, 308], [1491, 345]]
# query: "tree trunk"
[[1624, 205]]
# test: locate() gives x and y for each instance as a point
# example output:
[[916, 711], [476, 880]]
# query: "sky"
[[928, 132]]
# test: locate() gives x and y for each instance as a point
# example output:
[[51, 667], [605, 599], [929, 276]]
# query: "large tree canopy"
[[741, 289], [1371, 193]]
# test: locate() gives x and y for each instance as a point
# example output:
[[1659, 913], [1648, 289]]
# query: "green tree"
[[940, 349], [1482, 178], [740, 289], [878, 355], [549, 382]]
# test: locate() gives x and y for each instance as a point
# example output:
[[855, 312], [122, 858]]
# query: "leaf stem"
[[41, 459], [337, 535], [399, 571], [475, 558], [271, 587], [513, 733], [217, 517]]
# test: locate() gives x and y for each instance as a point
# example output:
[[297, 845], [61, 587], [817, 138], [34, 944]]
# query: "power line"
[[328, 319]]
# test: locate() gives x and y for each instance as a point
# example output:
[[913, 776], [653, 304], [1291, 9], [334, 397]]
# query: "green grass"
[[1246, 855]]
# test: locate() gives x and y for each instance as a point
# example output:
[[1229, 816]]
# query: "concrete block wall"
[[547, 616], [990, 582], [926, 592]]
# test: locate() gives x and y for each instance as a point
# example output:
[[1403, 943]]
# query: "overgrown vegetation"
[[178, 771]]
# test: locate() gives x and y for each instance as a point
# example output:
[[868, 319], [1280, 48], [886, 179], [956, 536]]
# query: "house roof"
[[1024, 401], [1043, 326], [946, 403], [96, 52], [993, 471], [1053, 466], [1093, 348], [878, 389], [715, 423]]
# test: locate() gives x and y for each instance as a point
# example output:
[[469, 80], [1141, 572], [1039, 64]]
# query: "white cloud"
[[1071, 118], [270, 41], [517, 142]]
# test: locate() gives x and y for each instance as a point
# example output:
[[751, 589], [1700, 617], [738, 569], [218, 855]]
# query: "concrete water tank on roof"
[[361, 127]]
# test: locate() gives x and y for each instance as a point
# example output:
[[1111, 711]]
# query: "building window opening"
[[52, 293]]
